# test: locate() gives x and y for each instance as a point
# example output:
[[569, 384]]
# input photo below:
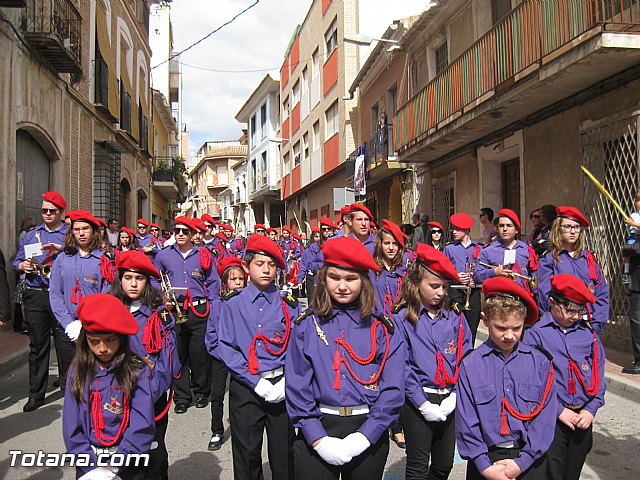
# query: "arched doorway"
[[125, 193], [142, 203], [32, 177]]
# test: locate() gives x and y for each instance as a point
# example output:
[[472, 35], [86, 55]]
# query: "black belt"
[[38, 289]]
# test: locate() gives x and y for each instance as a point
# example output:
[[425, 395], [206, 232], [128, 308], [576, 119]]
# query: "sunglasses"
[[534, 216], [436, 230], [184, 231], [49, 211], [142, 227], [327, 228]]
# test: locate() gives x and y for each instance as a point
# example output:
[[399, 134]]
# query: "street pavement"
[[616, 433]]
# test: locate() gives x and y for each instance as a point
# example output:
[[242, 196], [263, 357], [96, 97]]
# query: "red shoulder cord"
[[388, 301], [507, 407], [107, 268], [574, 371], [98, 418], [442, 376], [188, 304], [204, 257], [338, 359], [253, 356], [76, 293], [593, 272], [476, 252], [525, 284], [533, 260]]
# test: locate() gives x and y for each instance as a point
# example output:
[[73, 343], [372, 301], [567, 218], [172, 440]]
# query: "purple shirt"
[[187, 272], [165, 363], [66, 270], [368, 243], [576, 342], [211, 335], [243, 317], [46, 236], [77, 425], [493, 254], [462, 257], [312, 260], [485, 378], [290, 249], [310, 374], [144, 241], [578, 267], [424, 340], [386, 288]]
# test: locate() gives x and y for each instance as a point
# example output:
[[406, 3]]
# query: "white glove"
[[355, 443], [332, 450], [100, 473], [73, 330], [263, 388], [277, 392], [432, 412], [448, 405]]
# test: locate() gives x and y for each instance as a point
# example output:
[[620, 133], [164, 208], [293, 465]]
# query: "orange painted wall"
[[330, 72], [286, 186], [284, 73], [294, 54], [331, 153], [314, 218], [295, 179], [295, 119], [286, 135], [325, 5]]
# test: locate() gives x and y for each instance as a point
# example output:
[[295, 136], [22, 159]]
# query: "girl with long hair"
[[568, 255], [155, 342], [437, 336], [343, 369], [127, 240], [434, 235], [108, 406], [232, 280]]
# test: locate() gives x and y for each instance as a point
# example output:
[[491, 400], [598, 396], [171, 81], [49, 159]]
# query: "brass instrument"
[[532, 280], [43, 270], [167, 289], [467, 293]]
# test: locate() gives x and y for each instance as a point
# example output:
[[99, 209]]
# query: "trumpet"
[[167, 289], [467, 293], [532, 280], [43, 270]]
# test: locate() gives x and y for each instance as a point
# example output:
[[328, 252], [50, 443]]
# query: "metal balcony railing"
[[164, 169], [380, 145], [523, 38], [53, 29]]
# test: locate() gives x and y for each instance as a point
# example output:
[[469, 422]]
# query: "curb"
[[616, 383], [11, 362]]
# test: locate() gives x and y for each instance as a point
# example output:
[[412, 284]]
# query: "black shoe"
[[202, 402], [399, 443], [181, 407], [56, 384], [216, 442], [633, 370], [33, 404]]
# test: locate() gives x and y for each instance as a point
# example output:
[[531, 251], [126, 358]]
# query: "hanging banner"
[[359, 177]]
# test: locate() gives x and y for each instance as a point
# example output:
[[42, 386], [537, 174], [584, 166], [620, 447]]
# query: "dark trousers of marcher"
[[459, 296], [249, 415], [568, 452], [196, 361], [41, 321], [537, 471], [426, 441], [310, 286], [158, 456], [634, 324], [369, 465], [219, 374]]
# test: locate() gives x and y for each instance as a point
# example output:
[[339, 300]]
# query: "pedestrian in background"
[[20, 287], [489, 229], [536, 223], [420, 231], [5, 304]]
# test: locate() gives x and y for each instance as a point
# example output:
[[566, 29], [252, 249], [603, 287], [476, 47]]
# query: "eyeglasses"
[[49, 211], [571, 228], [435, 230], [183, 231], [155, 230], [572, 313], [326, 229], [142, 227], [534, 216]]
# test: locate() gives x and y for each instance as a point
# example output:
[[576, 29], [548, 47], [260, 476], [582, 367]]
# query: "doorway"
[[510, 174], [32, 177]]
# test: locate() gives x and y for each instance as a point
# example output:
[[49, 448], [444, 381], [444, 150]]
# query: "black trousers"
[[568, 452], [310, 286], [249, 415], [41, 322], [367, 466], [426, 441], [634, 324], [472, 315], [219, 374], [196, 361], [537, 471], [158, 456]]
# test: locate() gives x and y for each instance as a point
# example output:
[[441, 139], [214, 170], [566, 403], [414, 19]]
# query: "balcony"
[[540, 54], [167, 177], [52, 28], [215, 181], [381, 159]]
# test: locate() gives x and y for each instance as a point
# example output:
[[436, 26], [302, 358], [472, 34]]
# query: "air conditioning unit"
[[341, 197]]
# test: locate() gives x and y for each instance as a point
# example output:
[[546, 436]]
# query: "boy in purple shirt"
[[506, 405], [578, 359]]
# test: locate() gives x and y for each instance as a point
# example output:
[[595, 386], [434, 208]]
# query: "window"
[[375, 113], [304, 79], [442, 58], [331, 38], [315, 64], [296, 93], [101, 95], [499, 9], [331, 120], [285, 108], [125, 109], [296, 153], [316, 136], [263, 120], [254, 174], [263, 168], [305, 146], [253, 131], [286, 161], [392, 99]]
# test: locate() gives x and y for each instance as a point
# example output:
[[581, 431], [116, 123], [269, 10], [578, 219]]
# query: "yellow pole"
[[603, 190]]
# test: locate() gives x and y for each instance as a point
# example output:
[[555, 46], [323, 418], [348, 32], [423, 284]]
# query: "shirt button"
[[259, 326]]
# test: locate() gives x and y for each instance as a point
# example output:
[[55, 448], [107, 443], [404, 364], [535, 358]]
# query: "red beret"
[[511, 215], [154, 225], [358, 207], [461, 221], [503, 286], [187, 222], [572, 288], [84, 216], [259, 226], [128, 231], [373, 224], [102, 313], [574, 214], [436, 262], [199, 224], [142, 221], [297, 237], [393, 230], [226, 226], [266, 246], [346, 210], [56, 199], [435, 225], [348, 253], [68, 214], [327, 222], [315, 230], [101, 222], [271, 229], [208, 218], [287, 229], [227, 262], [137, 262]]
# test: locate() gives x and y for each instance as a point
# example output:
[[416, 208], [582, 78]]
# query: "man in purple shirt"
[[192, 271], [312, 258], [143, 235], [506, 403], [38, 316], [359, 221]]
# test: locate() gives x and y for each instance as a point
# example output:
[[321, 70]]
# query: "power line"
[[228, 22]]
